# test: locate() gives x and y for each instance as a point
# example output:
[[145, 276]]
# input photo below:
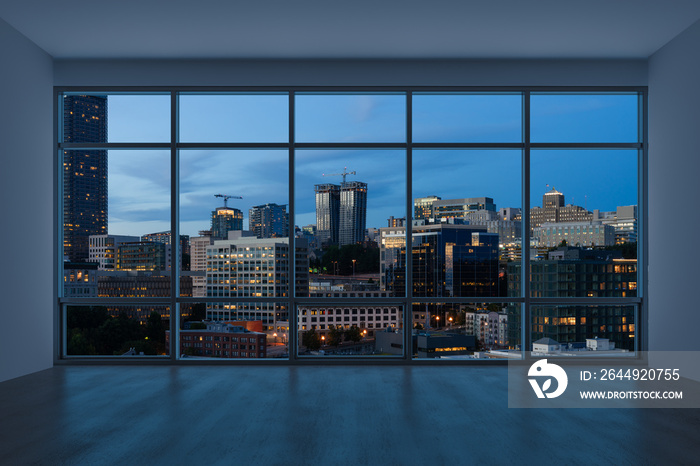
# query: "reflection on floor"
[[316, 415]]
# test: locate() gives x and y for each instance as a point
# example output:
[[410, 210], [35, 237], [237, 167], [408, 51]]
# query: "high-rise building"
[[341, 212], [574, 273], [327, 213], [225, 219], [84, 174], [198, 262], [269, 221], [448, 260], [246, 266], [353, 212]]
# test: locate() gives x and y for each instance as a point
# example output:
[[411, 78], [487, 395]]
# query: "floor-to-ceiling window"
[[375, 224]]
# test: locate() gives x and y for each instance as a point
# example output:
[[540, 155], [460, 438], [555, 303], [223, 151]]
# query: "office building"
[[269, 221], [571, 272], [165, 237], [460, 208], [423, 207], [623, 220], [143, 256], [448, 260], [246, 266], [225, 219], [551, 235], [84, 174], [103, 249]]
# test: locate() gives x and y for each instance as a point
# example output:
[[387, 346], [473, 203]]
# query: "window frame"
[[292, 302]]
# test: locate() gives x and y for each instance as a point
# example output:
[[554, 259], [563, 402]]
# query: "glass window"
[[230, 179]]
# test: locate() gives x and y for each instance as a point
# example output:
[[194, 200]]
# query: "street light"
[[323, 340], [450, 322], [437, 324], [353, 267]]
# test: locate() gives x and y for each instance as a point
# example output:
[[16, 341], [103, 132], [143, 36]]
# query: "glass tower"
[[84, 174]]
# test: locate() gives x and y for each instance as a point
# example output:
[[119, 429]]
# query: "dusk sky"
[[139, 180]]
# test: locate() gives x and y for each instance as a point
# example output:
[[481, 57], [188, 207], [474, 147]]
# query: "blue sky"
[[139, 180]]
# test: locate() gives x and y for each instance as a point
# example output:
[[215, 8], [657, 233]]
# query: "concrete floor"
[[90, 415]]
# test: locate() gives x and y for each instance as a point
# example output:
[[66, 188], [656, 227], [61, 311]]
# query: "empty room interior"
[[185, 183]]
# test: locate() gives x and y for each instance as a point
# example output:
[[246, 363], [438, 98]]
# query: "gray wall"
[[349, 73], [674, 168], [26, 206]]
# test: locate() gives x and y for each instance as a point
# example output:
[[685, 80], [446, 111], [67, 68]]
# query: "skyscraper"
[[84, 174], [341, 212], [327, 213], [225, 219], [353, 212], [269, 221]]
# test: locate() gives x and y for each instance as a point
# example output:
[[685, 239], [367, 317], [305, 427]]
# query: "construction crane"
[[344, 174], [227, 197]]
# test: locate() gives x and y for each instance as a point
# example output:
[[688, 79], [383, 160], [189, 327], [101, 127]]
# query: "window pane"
[[350, 118], [584, 118], [233, 330], [466, 331], [583, 330], [233, 201], [105, 118], [128, 331], [467, 117], [116, 214], [351, 329], [590, 249], [341, 215], [234, 117], [467, 222]]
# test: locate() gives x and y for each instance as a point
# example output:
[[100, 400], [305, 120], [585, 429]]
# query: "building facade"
[[84, 174], [245, 266], [574, 273], [327, 213], [221, 340], [79, 280], [225, 219], [551, 235], [103, 249], [448, 260], [269, 221]]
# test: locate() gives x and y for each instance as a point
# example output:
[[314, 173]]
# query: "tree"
[[311, 340], [353, 334], [114, 332], [335, 336]]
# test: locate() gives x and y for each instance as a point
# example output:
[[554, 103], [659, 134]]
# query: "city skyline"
[[139, 199]]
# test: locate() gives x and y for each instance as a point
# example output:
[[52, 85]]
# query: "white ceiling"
[[350, 28]]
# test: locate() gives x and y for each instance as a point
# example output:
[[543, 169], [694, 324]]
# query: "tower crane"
[[227, 197], [344, 174]]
